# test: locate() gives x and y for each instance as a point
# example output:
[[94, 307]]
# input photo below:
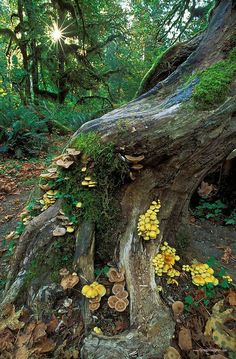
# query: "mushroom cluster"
[[201, 274], [49, 175], [119, 300], [94, 292], [164, 262], [48, 199], [148, 224], [134, 164], [65, 225], [88, 182], [67, 159]]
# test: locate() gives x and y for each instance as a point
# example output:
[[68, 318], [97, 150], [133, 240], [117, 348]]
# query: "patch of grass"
[[214, 83]]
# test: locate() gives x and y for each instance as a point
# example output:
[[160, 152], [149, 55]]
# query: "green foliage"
[[207, 210], [231, 219], [22, 132], [214, 83]]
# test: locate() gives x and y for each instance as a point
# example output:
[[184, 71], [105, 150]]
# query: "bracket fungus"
[[59, 231], [73, 152], [65, 163], [134, 159]]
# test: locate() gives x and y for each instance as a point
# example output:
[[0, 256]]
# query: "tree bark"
[[181, 145]]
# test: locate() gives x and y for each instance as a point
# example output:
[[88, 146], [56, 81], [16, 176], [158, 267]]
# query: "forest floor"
[[58, 331], [18, 181]]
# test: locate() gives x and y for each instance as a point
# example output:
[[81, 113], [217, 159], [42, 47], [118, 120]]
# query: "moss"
[[214, 83], [47, 266], [100, 204]]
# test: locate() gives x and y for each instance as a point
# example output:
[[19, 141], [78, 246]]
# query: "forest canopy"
[[88, 55]]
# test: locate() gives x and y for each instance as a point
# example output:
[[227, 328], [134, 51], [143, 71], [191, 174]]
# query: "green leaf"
[[188, 299], [224, 284], [211, 261]]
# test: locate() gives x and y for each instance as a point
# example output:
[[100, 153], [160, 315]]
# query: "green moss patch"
[[100, 204], [214, 83]]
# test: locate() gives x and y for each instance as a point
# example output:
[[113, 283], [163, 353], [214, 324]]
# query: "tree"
[[185, 126]]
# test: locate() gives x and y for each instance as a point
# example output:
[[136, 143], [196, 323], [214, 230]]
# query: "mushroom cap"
[[126, 300], [59, 231], [70, 229], [137, 167], [94, 306], [172, 353], [63, 272], [64, 163], [52, 170], [117, 287], [69, 280], [44, 187], [120, 305], [112, 301], [122, 295], [100, 289], [178, 308], [78, 205], [48, 175], [89, 292], [96, 299], [73, 152], [115, 276], [134, 159]]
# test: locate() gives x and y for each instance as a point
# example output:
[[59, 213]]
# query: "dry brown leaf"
[[232, 297], [205, 189], [39, 331], [7, 340], [51, 326], [23, 339], [12, 320], [69, 281], [44, 346], [22, 353], [185, 339]]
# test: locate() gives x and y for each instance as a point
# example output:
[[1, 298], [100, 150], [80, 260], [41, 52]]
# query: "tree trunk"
[[181, 144]]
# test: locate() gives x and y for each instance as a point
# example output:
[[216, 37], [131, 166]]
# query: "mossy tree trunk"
[[181, 144]]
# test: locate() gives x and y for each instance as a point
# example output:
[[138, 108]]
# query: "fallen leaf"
[[51, 326], [39, 331], [217, 329], [7, 340], [12, 320], [44, 346], [205, 189], [232, 297], [22, 353], [185, 339]]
